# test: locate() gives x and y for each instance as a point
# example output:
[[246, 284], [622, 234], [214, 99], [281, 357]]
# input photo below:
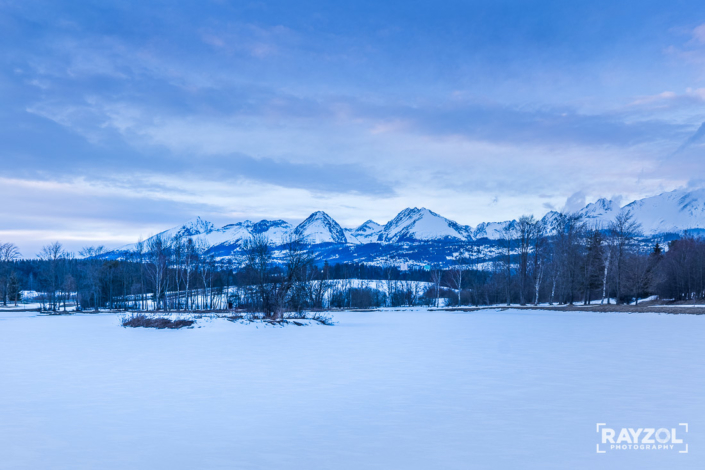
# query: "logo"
[[642, 439]]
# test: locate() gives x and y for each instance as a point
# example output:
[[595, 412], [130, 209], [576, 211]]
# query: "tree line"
[[566, 261], [570, 260], [163, 273]]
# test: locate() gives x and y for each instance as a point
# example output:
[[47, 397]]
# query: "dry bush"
[[143, 321]]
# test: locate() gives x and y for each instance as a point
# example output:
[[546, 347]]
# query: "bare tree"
[[508, 234], [8, 254], [608, 253], [318, 287], [436, 279], [456, 275], [177, 255], [568, 250], [623, 230], [157, 268], [53, 254], [297, 259], [93, 269], [258, 256], [14, 288], [205, 269], [592, 264], [539, 258], [140, 256], [525, 232], [191, 258], [68, 287], [638, 273]]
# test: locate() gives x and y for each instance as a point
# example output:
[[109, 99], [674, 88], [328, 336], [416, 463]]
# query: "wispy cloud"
[[237, 109], [699, 33], [693, 139]]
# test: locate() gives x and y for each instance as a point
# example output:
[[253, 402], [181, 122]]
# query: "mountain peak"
[[319, 227], [421, 224], [600, 211], [267, 225], [670, 212], [196, 226], [368, 232], [368, 223]]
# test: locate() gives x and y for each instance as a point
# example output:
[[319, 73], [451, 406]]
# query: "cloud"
[[695, 183], [699, 33], [330, 177], [617, 199], [503, 124], [211, 148], [669, 98], [236, 109], [692, 140], [575, 202]]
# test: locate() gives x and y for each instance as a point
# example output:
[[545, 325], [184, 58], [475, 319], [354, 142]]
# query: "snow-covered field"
[[380, 390]]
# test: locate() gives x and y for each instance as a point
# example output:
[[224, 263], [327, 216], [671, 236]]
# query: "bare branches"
[[9, 283], [9, 252], [623, 230]]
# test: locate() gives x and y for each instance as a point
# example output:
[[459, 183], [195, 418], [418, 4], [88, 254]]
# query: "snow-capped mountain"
[[365, 233], [275, 230], [674, 211], [234, 234], [198, 229], [415, 224], [319, 227], [549, 219], [191, 228], [426, 235], [600, 212], [491, 230], [670, 212], [497, 230]]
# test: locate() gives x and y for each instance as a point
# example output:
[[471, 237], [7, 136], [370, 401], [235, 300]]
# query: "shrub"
[[141, 320]]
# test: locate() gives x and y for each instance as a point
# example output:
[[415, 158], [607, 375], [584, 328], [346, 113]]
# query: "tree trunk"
[[604, 279]]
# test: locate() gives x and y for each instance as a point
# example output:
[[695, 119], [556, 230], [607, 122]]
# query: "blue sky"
[[120, 119]]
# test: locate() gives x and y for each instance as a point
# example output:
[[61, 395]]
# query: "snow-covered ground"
[[380, 390]]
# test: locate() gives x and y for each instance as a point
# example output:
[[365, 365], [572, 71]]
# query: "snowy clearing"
[[401, 389]]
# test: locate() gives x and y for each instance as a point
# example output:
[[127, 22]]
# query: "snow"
[[193, 227], [276, 231], [421, 224], [496, 230], [319, 227], [380, 390], [491, 230], [671, 212], [383, 286], [600, 213], [365, 233], [231, 234]]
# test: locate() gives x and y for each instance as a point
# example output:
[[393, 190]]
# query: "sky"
[[120, 119]]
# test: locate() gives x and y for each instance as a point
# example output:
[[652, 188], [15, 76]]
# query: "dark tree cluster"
[[572, 261], [173, 274]]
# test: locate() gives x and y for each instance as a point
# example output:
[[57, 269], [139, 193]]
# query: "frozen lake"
[[380, 390]]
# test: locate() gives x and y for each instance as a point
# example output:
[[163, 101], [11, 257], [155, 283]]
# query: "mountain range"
[[419, 235]]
